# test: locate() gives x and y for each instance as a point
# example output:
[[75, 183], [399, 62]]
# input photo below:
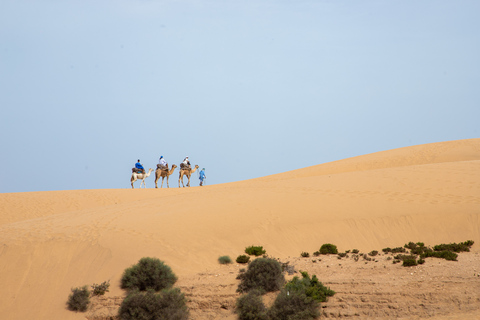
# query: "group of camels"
[[185, 171]]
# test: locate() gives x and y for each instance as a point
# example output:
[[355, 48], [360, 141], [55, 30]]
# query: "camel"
[[140, 176], [163, 173], [186, 172]]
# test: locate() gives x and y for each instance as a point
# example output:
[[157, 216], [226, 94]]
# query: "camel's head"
[[174, 165], [196, 166]]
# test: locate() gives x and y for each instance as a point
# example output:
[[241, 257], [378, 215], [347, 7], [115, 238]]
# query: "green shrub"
[[316, 253], [305, 254], [263, 274], [387, 250], [312, 288], [250, 306], [293, 305], [224, 260], [168, 304], [356, 251], [342, 254], [404, 257], [255, 250], [409, 262], [149, 273], [421, 261], [373, 253], [398, 249], [243, 259], [447, 255], [79, 299], [100, 289], [454, 247], [328, 248]]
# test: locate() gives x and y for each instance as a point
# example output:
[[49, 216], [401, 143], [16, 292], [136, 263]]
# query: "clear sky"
[[244, 88]]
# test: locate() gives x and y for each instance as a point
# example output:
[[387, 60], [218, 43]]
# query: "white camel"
[[140, 176]]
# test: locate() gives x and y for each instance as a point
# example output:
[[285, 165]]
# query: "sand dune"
[[53, 241]]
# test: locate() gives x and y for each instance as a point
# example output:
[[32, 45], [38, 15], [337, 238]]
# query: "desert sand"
[[53, 241]]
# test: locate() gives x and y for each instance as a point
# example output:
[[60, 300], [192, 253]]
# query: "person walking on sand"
[[202, 176]]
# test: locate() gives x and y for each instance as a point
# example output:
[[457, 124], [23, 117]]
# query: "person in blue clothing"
[[139, 168], [202, 176]]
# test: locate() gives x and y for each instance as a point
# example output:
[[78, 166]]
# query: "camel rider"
[[162, 164], [138, 167], [186, 163], [202, 176]]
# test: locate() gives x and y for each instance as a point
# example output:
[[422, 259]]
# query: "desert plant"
[[316, 253], [398, 249], [373, 253], [409, 262], [148, 273], [305, 254], [79, 299], [328, 248], [243, 259], [250, 306], [454, 247], [168, 304], [421, 261], [311, 287], [293, 305], [255, 250], [263, 274], [224, 260], [342, 254], [100, 289], [387, 250], [355, 251], [447, 255]]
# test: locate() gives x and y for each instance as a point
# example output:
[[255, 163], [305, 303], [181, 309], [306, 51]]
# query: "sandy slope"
[[53, 241]]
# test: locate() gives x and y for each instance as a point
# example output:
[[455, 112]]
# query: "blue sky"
[[244, 88]]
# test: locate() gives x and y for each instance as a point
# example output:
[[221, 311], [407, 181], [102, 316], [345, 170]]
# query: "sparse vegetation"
[[149, 273], [243, 259], [250, 306], [169, 304], [255, 251], [293, 305], [264, 274], [328, 248], [79, 299], [100, 289], [224, 260], [311, 287], [373, 253], [305, 254], [355, 251]]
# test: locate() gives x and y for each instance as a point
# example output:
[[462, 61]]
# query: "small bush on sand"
[[355, 251], [398, 250], [328, 248], [100, 289], [224, 260], [255, 250], [305, 254], [373, 253], [148, 273], [264, 274], [447, 255], [387, 250], [168, 304], [250, 306], [293, 305], [455, 247], [79, 299], [311, 287], [409, 262], [243, 259]]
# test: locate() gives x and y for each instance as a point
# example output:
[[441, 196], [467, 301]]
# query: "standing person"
[[202, 176], [139, 167], [162, 163]]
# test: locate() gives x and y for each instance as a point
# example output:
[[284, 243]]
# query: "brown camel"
[[186, 172], [163, 173]]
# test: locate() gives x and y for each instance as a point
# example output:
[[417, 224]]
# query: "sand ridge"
[[53, 241]]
